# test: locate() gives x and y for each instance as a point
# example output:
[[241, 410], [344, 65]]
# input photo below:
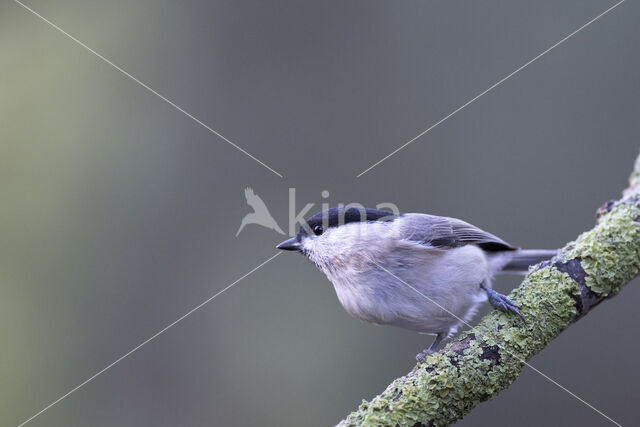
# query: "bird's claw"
[[502, 303], [422, 356]]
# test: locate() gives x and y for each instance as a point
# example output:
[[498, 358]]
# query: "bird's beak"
[[289, 245]]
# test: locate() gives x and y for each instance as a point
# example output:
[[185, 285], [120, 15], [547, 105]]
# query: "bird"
[[421, 272], [260, 214]]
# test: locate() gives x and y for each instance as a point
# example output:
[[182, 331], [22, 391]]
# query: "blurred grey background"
[[118, 213]]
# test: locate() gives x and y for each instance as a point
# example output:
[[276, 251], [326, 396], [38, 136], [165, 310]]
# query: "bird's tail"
[[524, 258]]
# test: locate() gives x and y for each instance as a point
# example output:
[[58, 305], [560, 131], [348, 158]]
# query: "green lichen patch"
[[610, 252]]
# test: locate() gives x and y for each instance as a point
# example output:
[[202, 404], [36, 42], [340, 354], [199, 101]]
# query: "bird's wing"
[[249, 194], [445, 233], [254, 200]]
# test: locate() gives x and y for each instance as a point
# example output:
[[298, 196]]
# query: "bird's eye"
[[318, 230]]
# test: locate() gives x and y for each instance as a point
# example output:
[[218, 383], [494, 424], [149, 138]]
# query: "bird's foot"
[[422, 356], [501, 302]]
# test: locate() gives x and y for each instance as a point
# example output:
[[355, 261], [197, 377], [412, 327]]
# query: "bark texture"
[[488, 358]]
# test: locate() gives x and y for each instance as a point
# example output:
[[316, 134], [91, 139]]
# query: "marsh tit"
[[420, 272]]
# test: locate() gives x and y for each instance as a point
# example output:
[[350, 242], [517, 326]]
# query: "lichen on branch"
[[488, 358]]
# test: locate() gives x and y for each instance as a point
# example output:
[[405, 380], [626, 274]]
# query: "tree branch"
[[489, 357]]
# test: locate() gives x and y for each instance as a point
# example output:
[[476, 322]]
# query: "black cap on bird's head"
[[334, 217]]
